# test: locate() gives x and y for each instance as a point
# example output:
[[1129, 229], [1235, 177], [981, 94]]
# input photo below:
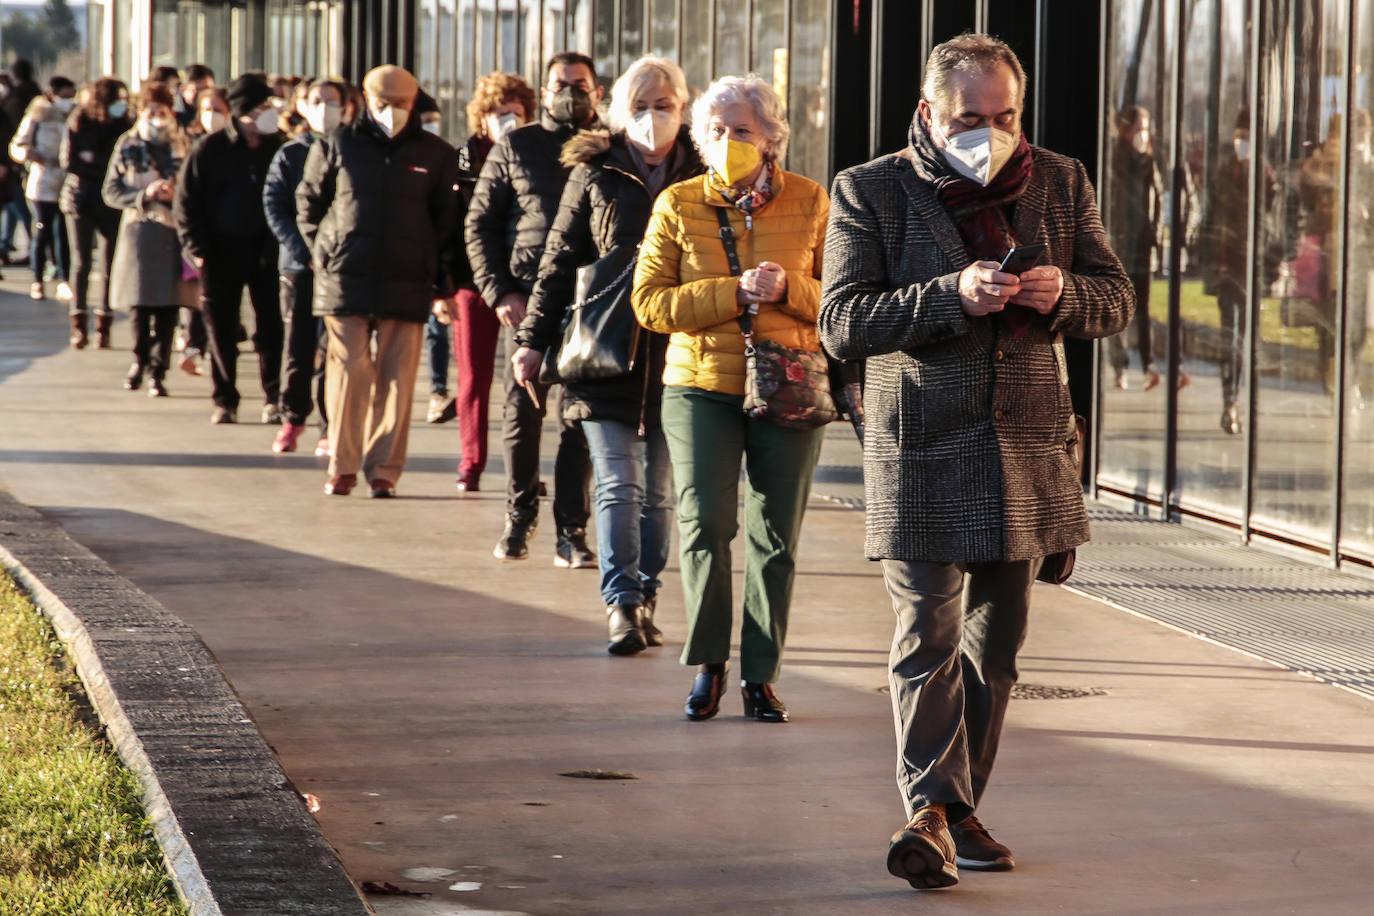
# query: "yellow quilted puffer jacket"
[[683, 285]]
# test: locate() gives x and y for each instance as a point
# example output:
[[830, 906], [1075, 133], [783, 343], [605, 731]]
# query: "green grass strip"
[[74, 840]]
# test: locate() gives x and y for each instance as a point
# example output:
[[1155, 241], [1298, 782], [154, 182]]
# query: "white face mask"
[[431, 126], [978, 154], [652, 130], [266, 122], [64, 106], [391, 119], [150, 130], [504, 124], [212, 120], [1242, 149], [323, 116]]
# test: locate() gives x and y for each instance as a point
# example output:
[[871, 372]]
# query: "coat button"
[[997, 414]]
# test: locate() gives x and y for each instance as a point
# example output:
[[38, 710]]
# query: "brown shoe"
[[340, 484], [975, 848], [923, 851], [382, 488]]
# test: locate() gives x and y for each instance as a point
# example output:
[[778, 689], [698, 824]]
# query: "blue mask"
[[118, 109]]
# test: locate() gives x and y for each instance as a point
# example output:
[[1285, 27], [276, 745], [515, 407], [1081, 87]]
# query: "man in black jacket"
[[378, 209], [22, 91], [512, 208], [224, 233]]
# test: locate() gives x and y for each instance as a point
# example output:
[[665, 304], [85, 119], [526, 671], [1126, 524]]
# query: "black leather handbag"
[[601, 337]]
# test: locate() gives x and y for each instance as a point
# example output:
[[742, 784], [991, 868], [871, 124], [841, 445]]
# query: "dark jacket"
[[219, 195], [379, 214], [279, 203], [16, 103], [513, 206], [85, 155], [969, 442], [605, 206], [472, 155]]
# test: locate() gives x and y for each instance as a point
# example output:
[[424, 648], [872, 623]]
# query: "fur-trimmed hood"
[[584, 146]]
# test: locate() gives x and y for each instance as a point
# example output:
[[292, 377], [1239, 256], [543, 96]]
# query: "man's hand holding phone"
[[1041, 288], [985, 289]]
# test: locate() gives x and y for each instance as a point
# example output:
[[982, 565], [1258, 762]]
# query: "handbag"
[[784, 386], [601, 334], [1057, 567]]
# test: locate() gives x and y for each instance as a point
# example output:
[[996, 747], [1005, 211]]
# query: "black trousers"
[[89, 232], [522, 425], [304, 349], [1231, 304], [153, 330], [223, 279], [951, 670]]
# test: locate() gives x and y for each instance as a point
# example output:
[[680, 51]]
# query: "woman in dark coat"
[[149, 276], [90, 140], [606, 205]]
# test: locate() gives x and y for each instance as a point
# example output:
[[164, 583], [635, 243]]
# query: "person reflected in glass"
[[1361, 274], [1134, 204], [684, 286], [1314, 266], [616, 176]]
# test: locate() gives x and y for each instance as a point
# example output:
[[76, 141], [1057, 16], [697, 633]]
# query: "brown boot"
[[102, 331], [79, 338]]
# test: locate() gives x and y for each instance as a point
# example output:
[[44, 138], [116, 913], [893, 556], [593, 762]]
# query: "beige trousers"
[[369, 391]]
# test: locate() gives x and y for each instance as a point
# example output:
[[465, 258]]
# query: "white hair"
[[641, 77], [758, 94]]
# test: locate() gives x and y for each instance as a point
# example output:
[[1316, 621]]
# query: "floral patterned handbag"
[[784, 386]]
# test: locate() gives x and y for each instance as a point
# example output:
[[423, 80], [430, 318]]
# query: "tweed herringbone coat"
[[968, 455]]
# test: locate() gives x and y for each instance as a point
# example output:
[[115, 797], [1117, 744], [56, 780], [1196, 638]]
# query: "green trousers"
[[708, 433]]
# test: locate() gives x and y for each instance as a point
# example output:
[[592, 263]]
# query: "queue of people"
[[374, 231]]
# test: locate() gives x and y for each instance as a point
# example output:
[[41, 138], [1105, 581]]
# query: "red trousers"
[[475, 333]]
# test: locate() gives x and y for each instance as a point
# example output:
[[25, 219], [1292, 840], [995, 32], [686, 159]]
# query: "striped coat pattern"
[[968, 455]]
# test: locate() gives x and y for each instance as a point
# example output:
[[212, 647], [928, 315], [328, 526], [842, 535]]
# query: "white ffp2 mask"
[[979, 154], [651, 129]]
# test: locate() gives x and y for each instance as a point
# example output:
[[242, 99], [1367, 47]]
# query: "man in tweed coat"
[[969, 466]]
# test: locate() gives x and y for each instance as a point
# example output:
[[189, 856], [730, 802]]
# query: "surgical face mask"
[[978, 154], [504, 124], [266, 121], [391, 119], [212, 120], [571, 105], [118, 109], [1242, 149], [733, 160], [1142, 142], [323, 116], [152, 129], [431, 126], [64, 106], [652, 130]]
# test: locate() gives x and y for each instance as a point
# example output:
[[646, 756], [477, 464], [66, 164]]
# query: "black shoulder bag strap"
[[727, 238]]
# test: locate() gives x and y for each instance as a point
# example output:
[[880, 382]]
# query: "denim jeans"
[[436, 348], [14, 215], [634, 508]]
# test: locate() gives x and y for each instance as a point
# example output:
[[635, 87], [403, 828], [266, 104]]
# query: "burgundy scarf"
[[980, 213]]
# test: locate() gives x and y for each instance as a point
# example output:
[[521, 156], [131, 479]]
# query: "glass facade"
[[1236, 185]]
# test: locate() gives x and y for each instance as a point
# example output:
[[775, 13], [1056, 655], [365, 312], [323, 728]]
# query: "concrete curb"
[[234, 830]]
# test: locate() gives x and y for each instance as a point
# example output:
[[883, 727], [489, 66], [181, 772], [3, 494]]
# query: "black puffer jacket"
[[379, 214], [85, 155], [513, 206], [605, 205], [219, 195], [471, 157]]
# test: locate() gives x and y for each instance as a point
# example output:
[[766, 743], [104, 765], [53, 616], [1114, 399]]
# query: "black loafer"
[[704, 700], [625, 634], [760, 702]]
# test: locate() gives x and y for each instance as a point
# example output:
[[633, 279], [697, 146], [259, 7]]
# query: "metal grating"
[[1305, 618]]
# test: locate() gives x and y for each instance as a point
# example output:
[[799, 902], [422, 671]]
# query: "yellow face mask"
[[732, 160]]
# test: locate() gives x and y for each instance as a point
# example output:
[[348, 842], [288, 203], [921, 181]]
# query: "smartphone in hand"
[[1021, 258]]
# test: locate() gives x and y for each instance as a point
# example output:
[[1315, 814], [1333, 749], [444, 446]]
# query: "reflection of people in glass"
[[1314, 267], [1360, 276], [1226, 226], [1133, 214]]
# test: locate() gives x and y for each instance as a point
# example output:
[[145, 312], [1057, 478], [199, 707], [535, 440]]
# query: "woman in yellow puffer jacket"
[[684, 287]]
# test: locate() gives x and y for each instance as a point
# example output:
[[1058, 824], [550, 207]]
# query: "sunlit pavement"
[[432, 697]]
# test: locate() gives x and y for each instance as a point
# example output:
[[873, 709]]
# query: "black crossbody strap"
[[727, 238]]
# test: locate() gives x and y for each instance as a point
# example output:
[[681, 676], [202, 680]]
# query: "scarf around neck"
[[980, 213], [747, 200]]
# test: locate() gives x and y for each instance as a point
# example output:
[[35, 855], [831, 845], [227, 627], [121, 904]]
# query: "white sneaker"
[[64, 292], [36, 291]]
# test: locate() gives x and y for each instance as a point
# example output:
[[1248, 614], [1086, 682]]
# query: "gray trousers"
[[952, 667]]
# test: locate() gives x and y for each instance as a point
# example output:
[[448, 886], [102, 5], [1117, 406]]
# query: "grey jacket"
[[970, 431], [148, 269]]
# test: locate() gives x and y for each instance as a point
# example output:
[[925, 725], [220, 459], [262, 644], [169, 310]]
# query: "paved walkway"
[[432, 698]]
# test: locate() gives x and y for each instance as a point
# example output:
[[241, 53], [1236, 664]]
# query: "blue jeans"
[[16, 214], [634, 507], [437, 348]]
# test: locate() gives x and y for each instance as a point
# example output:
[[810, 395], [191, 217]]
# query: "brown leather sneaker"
[[975, 848], [340, 484], [923, 851]]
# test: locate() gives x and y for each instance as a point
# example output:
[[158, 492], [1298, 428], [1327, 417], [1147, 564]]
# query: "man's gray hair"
[[971, 52], [758, 95], [641, 77]]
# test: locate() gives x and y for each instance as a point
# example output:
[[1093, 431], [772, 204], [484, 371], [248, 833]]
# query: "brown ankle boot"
[[79, 338], [102, 332]]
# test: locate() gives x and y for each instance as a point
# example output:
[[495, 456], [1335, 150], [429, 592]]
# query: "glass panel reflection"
[[1358, 514], [809, 90]]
